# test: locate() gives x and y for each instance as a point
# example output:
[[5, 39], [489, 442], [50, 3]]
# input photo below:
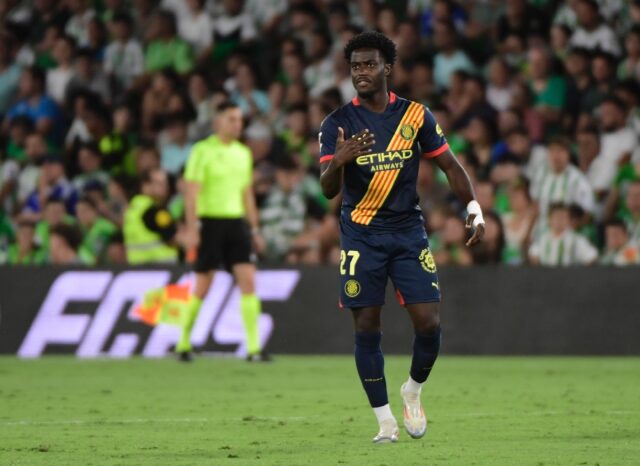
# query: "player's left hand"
[[478, 232], [259, 243]]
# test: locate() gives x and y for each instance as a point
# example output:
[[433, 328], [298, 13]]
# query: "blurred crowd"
[[539, 101]]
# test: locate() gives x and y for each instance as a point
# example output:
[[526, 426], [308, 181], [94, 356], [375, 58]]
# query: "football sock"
[[250, 309], [383, 413], [184, 344], [425, 353], [370, 364]]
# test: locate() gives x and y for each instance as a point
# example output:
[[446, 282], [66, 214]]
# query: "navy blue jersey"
[[379, 191]]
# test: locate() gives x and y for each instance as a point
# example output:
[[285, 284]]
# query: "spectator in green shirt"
[[549, 91], [24, 250], [97, 231], [166, 49], [64, 246], [53, 214]]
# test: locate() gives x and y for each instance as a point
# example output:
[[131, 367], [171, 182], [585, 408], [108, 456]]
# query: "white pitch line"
[[30, 422]]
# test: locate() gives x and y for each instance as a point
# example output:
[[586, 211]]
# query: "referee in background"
[[222, 222]]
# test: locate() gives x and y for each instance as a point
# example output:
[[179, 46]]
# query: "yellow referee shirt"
[[224, 171]]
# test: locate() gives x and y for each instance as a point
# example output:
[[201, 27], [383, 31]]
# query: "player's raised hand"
[[358, 144], [478, 231]]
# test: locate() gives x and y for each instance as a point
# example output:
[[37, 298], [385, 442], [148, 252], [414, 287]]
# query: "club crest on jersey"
[[427, 261], [352, 288], [407, 132]]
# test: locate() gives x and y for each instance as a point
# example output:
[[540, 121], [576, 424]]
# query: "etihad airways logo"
[[389, 160]]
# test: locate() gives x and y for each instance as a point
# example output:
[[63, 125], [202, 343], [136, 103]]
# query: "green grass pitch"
[[312, 411]]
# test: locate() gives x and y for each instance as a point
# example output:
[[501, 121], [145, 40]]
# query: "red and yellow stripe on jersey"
[[383, 181]]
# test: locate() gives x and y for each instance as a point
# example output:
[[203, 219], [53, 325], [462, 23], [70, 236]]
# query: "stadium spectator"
[[518, 222], [148, 228], [90, 164], [25, 251], [78, 24], [97, 231], [175, 144], [165, 49], [619, 250], [560, 182], [283, 217], [592, 33], [124, 59], [35, 104], [9, 72], [195, 26], [64, 246], [54, 214], [617, 142], [560, 245], [630, 211], [52, 183], [449, 56], [87, 76], [58, 78]]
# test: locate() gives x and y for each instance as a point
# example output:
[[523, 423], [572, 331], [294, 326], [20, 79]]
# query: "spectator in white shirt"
[[618, 249], [58, 78], [499, 90], [561, 246], [560, 182], [123, 57], [78, 25], [592, 33], [196, 26], [617, 142]]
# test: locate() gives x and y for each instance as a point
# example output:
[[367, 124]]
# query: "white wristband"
[[473, 208]]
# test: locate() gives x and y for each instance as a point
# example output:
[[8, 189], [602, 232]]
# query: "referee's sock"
[[370, 364], [184, 345], [425, 352], [250, 309]]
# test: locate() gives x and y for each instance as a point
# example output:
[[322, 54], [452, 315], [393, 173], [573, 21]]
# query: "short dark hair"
[[616, 223], [614, 100], [87, 200], [122, 17], [70, 233], [226, 105], [561, 141], [372, 40], [555, 206]]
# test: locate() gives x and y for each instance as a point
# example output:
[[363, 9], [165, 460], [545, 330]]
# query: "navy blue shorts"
[[367, 260]]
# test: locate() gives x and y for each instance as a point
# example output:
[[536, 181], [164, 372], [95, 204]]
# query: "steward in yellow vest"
[[148, 228]]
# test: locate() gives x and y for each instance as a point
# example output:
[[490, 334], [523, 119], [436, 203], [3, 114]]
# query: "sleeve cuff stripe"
[[436, 152], [326, 158]]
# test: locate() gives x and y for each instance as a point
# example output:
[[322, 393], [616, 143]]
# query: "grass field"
[[312, 411]]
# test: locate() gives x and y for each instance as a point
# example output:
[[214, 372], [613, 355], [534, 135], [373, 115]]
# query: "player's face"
[[229, 123], [369, 72]]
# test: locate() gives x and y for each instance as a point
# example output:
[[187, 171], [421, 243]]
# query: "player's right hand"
[[358, 144]]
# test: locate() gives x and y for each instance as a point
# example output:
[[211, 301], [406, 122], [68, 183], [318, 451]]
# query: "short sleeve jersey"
[[379, 190], [223, 171]]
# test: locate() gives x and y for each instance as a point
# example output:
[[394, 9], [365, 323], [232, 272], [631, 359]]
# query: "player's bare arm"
[[191, 235], [461, 186], [346, 151], [253, 219]]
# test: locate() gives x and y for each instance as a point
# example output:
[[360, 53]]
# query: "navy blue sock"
[[370, 364], [425, 353]]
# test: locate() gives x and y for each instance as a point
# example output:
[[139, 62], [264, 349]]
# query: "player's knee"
[[364, 322], [429, 323]]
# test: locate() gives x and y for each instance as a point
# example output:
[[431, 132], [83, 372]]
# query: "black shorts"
[[223, 243]]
